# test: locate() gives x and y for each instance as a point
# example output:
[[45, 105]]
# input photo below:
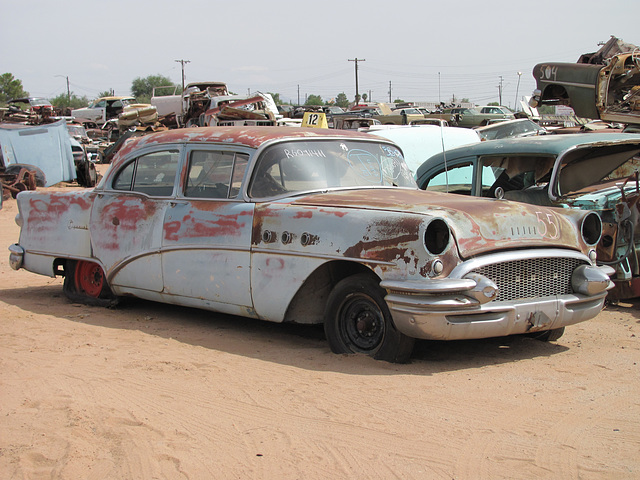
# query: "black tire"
[[102, 296], [357, 320], [548, 335]]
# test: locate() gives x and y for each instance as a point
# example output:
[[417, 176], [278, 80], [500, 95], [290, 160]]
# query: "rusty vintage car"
[[590, 171], [313, 226]]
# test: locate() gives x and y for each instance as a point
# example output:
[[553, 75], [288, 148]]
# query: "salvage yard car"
[[608, 92], [590, 171], [469, 117], [313, 226], [103, 109], [522, 127]]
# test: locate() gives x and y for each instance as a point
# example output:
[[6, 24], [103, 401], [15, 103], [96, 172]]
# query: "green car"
[[469, 117]]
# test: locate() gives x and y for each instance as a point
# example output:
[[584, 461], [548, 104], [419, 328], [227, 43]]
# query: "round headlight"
[[437, 236], [591, 228]]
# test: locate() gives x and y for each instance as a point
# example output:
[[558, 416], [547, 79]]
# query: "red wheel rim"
[[89, 278]]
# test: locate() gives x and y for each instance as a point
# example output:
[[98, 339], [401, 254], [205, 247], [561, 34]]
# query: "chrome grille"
[[531, 277]]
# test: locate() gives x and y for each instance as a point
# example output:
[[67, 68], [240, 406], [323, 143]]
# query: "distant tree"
[[493, 104], [11, 88], [342, 100], [398, 100], [276, 98], [364, 97], [63, 101], [314, 100], [466, 100], [142, 88], [106, 93]]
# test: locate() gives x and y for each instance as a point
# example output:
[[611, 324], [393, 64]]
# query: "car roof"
[[540, 145], [114, 98], [252, 137]]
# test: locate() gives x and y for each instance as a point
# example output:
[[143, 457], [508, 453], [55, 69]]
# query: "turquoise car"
[[590, 171]]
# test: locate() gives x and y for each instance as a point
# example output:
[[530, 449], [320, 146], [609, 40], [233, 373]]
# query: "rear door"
[[127, 220]]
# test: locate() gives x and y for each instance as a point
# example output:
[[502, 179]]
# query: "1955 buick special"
[[313, 226]]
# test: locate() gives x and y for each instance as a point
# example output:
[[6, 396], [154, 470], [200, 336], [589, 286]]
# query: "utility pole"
[[298, 94], [439, 99], [182, 62], [389, 91], [500, 90], [68, 91], [356, 60]]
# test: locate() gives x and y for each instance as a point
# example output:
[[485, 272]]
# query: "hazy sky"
[[425, 50]]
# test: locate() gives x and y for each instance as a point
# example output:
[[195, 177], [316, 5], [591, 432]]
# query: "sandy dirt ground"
[[149, 391]]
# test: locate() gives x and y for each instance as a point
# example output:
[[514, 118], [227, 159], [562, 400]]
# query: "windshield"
[[508, 129], [302, 166], [77, 130], [36, 102]]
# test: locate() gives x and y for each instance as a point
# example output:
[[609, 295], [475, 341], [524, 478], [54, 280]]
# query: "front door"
[[207, 233]]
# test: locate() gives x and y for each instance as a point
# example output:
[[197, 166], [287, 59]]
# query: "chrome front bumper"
[[464, 305]]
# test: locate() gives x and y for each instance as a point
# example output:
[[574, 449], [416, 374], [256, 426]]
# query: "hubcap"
[[89, 278], [362, 323]]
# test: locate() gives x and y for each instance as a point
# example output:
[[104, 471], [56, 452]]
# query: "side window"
[[215, 174], [491, 179], [101, 104], [124, 180], [239, 168], [459, 179], [153, 174], [508, 173]]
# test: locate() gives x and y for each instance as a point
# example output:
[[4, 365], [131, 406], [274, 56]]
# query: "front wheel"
[[357, 320], [85, 282], [548, 335]]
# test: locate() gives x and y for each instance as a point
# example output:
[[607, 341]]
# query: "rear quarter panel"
[[53, 225]]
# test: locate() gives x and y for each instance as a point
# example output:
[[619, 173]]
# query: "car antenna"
[[444, 156]]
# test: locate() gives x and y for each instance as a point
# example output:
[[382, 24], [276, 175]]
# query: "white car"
[[421, 142], [103, 109]]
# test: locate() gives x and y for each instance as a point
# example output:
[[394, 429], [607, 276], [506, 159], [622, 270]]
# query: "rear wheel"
[[85, 282], [357, 320]]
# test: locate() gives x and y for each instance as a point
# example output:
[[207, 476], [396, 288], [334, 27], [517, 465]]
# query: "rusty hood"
[[479, 225]]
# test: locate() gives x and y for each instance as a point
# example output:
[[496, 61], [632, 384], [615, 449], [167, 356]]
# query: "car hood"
[[587, 164], [479, 225]]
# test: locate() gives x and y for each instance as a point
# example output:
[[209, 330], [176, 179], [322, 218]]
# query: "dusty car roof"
[[251, 137], [541, 145], [114, 98]]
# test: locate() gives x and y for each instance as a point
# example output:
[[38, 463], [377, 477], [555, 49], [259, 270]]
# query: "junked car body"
[[468, 117], [522, 127], [609, 92], [591, 171], [313, 226], [103, 109]]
